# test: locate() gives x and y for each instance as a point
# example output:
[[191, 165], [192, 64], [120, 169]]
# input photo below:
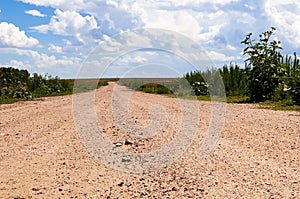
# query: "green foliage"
[[9, 100], [47, 85], [234, 79], [195, 78], [175, 87], [154, 88], [200, 88], [266, 70], [290, 86], [215, 83], [279, 105], [13, 83], [17, 85]]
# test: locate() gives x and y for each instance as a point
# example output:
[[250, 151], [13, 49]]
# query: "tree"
[[266, 68]]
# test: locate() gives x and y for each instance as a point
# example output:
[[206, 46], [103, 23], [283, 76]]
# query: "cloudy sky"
[[57, 36]]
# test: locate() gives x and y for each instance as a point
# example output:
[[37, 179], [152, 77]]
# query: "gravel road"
[[43, 156]]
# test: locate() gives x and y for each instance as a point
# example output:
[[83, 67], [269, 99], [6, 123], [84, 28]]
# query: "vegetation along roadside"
[[18, 84]]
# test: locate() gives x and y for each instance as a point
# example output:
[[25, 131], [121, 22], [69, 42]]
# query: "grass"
[[162, 90], [229, 99], [238, 99], [281, 105], [264, 105], [7, 100]]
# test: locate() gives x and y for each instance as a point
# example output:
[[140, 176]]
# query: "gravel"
[[42, 155]]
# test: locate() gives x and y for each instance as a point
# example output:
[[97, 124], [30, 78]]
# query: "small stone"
[[35, 189], [118, 144], [125, 159], [202, 190], [120, 184], [126, 142]]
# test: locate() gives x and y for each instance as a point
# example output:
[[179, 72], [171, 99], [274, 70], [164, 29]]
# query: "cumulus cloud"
[[35, 13], [42, 63], [196, 4], [218, 26], [215, 56], [181, 21], [55, 49], [286, 16], [62, 4], [138, 59], [12, 36], [116, 16], [42, 60], [19, 64], [70, 23]]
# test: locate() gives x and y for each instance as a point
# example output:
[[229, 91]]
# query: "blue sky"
[[57, 37]]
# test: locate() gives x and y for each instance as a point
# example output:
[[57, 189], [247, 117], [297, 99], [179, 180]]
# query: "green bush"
[[264, 60], [13, 83]]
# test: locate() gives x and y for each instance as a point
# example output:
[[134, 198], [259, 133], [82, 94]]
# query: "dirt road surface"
[[42, 156]]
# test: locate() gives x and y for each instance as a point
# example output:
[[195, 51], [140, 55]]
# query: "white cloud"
[[42, 60], [181, 21], [62, 4], [211, 33], [250, 7], [112, 3], [198, 3], [132, 60], [55, 49], [215, 25], [215, 56], [70, 23], [286, 16], [35, 13], [116, 16], [42, 63], [230, 47], [19, 64], [12, 36], [110, 44]]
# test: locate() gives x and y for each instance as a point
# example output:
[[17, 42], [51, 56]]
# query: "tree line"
[[18, 84], [267, 74]]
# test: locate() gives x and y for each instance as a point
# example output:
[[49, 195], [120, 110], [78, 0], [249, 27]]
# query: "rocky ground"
[[42, 155]]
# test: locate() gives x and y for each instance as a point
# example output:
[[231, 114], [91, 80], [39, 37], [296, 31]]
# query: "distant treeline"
[[16, 84], [168, 86]]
